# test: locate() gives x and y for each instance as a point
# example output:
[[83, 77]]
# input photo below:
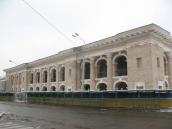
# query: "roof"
[[150, 28]]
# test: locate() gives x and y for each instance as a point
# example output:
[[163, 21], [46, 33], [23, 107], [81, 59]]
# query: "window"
[[38, 77], [158, 62], [45, 73], [19, 78], [31, 78], [62, 74], [70, 72], [53, 75], [139, 87], [165, 66], [139, 62], [87, 70], [160, 87], [120, 66]]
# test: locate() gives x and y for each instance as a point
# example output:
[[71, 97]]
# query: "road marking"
[[10, 125]]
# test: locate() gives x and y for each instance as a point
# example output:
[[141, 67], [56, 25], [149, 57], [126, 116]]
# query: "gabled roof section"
[[151, 28]]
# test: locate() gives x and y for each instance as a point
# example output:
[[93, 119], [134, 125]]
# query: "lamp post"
[[17, 76], [12, 62], [76, 35]]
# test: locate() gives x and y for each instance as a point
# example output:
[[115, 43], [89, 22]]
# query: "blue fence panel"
[[99, 95]]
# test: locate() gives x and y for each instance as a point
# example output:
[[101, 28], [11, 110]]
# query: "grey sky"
[[25, 37]]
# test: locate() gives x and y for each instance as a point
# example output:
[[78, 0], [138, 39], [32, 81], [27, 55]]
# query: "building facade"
[[138, 59], [2, 84]]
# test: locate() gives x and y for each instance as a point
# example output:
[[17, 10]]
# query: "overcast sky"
[[25, 37]]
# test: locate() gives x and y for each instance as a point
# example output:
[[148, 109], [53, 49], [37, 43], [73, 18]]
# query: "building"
[[2, 84], [138, 59]]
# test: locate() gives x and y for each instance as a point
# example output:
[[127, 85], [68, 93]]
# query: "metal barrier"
[[6, 94], [103, 94]]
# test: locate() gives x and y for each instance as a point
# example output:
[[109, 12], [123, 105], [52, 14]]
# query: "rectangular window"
[[139, 62], [158, 62], [139, 87], [160, 87]]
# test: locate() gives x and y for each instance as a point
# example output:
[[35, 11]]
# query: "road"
[[30, 116]]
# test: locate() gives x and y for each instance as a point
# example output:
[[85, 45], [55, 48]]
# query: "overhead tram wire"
[[47, 21]]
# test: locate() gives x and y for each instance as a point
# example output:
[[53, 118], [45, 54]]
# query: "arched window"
[[121, 66], [62, 88], [87, 70], [166, 85], [53, 88], [62, 74], [38, 77], [53, 75], [31, 78], [102, 87], [45, 76], [101, 68], [31, 88], [37, 88], [44, 88], [165, 66], [121, 86], [86, 87]]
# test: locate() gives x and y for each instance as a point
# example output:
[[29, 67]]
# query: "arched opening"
[[87, 70], [53, 75], [102, 87], [121, 86], [31, 88], [31, 78], [121, 66], [165, 66], [44, 88], [53, 88], [37, 88], [62, 88], [86, 87], [101, 68], [38, 77], [166, 85], [45, 76], [62, 74]]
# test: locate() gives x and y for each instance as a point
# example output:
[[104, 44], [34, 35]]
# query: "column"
[[109, 72], [57, 77], [93, 83], [170, 70], [78, 75]]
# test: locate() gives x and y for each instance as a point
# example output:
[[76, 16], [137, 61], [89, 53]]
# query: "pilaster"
[[109, 71], [93, 83]]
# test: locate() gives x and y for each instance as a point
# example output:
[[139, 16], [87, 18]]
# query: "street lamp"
[[76, 35], [12, 62]]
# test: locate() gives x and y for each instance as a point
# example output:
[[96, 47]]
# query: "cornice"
[[150, 29], [17, 68]]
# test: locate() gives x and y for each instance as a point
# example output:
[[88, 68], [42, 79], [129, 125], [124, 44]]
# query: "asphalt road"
[[30, 116]]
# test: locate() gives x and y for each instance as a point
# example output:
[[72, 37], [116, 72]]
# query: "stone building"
[[2, 84], [138, 59]]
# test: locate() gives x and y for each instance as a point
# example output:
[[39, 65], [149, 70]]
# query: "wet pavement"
[[30, 116]]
